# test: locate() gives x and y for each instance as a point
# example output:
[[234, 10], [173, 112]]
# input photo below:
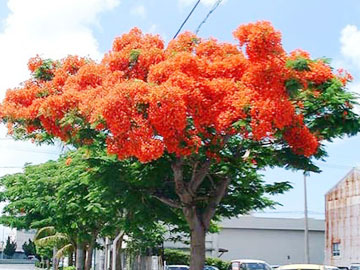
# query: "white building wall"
[[22, 236], [272, 246], [275, 240]]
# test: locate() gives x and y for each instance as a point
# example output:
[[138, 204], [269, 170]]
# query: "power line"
[[178, 31], [215, 6]]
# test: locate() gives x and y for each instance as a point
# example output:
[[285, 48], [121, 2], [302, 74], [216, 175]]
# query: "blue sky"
[[87, 27]]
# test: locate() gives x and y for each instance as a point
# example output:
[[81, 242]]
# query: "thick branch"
[[199, 175], [215, 200], [185, 196], [178, 174], [169, 202]]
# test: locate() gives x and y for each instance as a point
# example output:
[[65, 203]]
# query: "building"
[[342, 212], [22, 236], [275, 240]]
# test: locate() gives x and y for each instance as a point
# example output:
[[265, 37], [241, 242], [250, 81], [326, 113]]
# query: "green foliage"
[[29, 248], [292, 87], [134, 56], [90, 196], [45, 253], [222, 265], [299, 64], [10, 247], [69, 268], [172, 256], [44, 72]]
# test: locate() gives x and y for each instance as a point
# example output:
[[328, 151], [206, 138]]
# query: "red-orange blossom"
[[149, 99]]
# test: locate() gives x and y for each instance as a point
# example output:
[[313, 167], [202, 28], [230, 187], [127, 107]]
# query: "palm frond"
[[45, 231], [52, 240], [65, 250]]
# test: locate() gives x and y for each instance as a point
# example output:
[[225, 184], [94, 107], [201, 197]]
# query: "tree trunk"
[[115, 251], [71, 259], [89, 255], [119, 253], [80, 257], [55, 260], [197, 216], [197, 244]]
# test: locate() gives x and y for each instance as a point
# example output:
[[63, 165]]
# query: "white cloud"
[[208, 3], [350, 40], [350, 52], [51, 29], [139, 11]]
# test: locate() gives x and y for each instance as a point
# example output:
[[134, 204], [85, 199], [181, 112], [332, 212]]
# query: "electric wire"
[[215, 6], [182, 25]]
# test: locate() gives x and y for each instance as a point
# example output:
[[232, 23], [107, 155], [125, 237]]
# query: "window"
[[254, 266], [336, 249]]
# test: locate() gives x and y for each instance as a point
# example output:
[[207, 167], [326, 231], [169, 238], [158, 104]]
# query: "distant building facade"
[[342, 213], [22, 236], [275, 240]]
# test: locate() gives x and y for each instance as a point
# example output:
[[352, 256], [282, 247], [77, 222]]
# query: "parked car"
[[307, 267], [355, 266], [209, 267], [177, 267], [247, 264]]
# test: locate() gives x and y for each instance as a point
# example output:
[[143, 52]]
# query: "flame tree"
[[207, 113]]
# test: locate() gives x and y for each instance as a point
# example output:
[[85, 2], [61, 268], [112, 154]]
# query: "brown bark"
[[197, 259], [197, 237]]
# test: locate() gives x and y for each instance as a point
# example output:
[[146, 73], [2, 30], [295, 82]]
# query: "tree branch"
[[199, 175], [168, 201], [215, 200], [181, 189]]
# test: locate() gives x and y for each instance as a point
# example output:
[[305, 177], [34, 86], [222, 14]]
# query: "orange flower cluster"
[[149, 99]]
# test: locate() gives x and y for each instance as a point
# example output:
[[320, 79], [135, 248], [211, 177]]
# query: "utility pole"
[[307, 257]]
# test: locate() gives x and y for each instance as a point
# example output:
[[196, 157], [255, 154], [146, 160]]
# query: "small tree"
[[29, 248], [10, 247]]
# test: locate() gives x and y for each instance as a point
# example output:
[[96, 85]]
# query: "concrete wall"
[[272, 246]]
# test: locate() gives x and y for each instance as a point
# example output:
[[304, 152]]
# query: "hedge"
[[172, 256]]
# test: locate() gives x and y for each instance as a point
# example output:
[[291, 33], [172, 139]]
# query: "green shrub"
[[172, 256], [222, 265], [70, 268], [40, 264]]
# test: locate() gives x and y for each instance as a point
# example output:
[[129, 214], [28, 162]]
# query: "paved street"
[[17, 267]]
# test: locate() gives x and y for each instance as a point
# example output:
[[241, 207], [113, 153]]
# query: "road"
[[17, 267]]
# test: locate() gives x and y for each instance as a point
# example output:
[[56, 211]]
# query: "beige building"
[[342, 210], [275, 240]]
